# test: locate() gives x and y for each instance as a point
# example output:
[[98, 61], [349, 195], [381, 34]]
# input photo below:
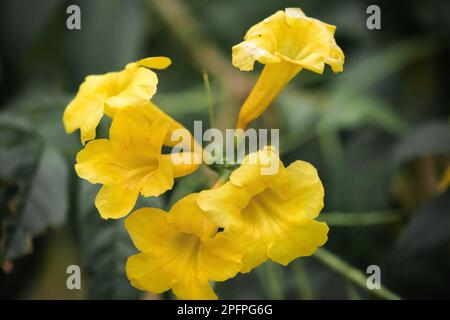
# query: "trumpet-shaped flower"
[[131, 162], [107, 93], [286, 42], [273, 214], [182, 250]]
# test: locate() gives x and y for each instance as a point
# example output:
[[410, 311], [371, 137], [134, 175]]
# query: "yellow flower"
[[273, 214], [182, 250], [286, 42], [105, 94], [131, 162]]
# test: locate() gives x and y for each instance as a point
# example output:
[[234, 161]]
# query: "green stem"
[[352, 274], [207, 84], [191, 34], [303, 285], [224, 177], [271, 278], [361, 218]]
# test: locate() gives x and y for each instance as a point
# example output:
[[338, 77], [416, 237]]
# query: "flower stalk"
[[352, 274]]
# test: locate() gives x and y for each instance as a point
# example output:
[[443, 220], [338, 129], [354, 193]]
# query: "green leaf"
[[34, 187], [362, 180], [429, 139], [361, 75], [300, 115], [42, 112], [419, 263], [361, 111], [304, 116], [187, 102]]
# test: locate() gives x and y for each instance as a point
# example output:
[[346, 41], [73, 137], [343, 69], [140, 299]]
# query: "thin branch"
[[302, 281], [205, 54], [271, 278], [349, 219], [210, 100], [352, 274]]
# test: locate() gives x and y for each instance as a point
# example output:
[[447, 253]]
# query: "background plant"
[[378, 133]]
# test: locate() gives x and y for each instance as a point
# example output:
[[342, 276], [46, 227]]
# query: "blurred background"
[[379, 134]]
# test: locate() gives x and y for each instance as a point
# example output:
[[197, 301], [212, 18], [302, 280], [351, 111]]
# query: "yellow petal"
[[271, 227], [115, 201], [301, 238], [84, 113], [158, 181], [221, 256], [188, 217], [94, 162], [272, 80], [137, 86], [149, 230], [143, 126], [224, 204], [258, 170], [246, 53], [291, 36], [182, 169], [132, 128], [178, 258], [139, 141], [303, 191], [159, 63], [195, 290], [254, 256], [153, 112], [180, 262], [145, 274]]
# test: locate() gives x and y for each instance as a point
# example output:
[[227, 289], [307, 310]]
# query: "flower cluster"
[[233, 227]]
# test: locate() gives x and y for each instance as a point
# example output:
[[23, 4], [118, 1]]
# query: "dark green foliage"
[[379, 134]]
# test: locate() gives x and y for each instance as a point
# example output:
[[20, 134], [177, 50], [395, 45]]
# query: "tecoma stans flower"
[[272, 214], [130, 161], [182, 250], [105, 94], [286, 42]]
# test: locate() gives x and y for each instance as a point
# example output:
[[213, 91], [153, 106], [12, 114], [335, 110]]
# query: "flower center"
[[263, 215], [183, 257], [117, 82]]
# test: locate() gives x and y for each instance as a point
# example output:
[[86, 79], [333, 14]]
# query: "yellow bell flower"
[[182, 250], [105, 94], [272, 214], [286, 42], [130, 161]]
